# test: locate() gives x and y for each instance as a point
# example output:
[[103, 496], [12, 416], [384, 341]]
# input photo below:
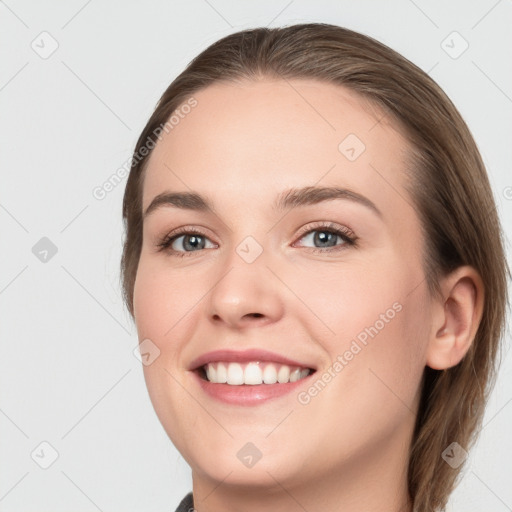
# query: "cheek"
[[390, 365], [375, 321], [162, 301], [347, 298]]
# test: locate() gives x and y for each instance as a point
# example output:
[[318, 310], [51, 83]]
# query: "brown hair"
[[449, 187]]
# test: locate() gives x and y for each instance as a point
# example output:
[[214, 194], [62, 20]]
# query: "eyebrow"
[[291, 198]]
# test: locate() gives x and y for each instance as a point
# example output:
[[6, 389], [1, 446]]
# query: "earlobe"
[[455, 318]]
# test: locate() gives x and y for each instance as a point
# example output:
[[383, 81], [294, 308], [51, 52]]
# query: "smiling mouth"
[[252, 373]]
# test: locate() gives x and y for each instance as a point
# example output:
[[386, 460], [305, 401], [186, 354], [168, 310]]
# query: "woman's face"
[[253, 276]]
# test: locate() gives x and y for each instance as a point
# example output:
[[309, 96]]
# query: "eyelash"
[[346, 234]]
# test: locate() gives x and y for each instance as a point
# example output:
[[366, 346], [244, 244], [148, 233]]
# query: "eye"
[[185, 241], [325, 237]]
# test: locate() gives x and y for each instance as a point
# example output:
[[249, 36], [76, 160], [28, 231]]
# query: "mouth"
[[252, 373], [249, 377]]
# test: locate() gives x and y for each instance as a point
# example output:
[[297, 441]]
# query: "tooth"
[[235, 374], [295, 375], [211, 373], [252, 374], [283, 375], [222, 374], [270, 374], [304, 373]]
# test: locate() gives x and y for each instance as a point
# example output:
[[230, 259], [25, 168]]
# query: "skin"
[[240, 146]]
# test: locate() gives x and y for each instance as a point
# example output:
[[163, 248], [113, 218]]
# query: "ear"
[[455, 318]]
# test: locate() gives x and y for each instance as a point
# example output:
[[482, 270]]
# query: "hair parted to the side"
[[448, 184]]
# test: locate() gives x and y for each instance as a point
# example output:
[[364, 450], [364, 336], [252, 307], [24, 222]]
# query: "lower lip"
[[246, 394]]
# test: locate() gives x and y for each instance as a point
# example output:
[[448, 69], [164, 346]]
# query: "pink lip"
[[246, 394], [244, 357]]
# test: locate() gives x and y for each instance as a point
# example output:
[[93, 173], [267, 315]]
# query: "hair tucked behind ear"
[[448, 183]]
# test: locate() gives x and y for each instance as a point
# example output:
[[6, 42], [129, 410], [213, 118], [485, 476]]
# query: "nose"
[[245, 294]]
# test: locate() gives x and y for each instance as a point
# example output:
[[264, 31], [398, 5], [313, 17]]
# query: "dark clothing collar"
[[186, 504]]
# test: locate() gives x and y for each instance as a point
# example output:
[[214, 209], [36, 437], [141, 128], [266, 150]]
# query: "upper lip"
[[244, 356]]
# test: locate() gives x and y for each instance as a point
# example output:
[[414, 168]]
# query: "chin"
[[242, 463]]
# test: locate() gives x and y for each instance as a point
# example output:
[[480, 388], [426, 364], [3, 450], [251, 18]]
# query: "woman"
[[314, 260]]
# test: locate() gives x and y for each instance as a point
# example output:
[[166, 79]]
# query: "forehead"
[[250, 140]]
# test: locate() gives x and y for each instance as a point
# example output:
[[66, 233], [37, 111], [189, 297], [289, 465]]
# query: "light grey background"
[[68, 122]]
